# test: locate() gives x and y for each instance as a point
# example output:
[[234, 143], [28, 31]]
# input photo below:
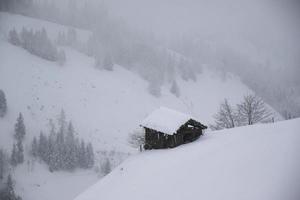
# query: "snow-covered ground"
[[34, 181], [103, 106], [258, 162]]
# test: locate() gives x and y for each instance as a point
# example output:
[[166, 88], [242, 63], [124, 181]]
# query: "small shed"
[[167, 128]]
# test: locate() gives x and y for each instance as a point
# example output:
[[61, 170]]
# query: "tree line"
[[135, 50], [61, 149], [37, 43]]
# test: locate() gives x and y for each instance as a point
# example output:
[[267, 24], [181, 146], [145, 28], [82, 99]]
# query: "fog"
[[82, 74], [250, 38]]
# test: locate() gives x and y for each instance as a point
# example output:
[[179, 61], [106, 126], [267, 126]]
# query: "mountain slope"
[[254, 162], [103, 106]]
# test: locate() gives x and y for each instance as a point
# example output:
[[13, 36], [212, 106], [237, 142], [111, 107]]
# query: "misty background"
[[251, 39]]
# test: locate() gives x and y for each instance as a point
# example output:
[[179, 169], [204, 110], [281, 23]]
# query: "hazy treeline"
[[37, 43], [112, 41], [275, 79], [160, 61]]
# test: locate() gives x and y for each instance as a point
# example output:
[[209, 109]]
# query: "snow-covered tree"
[[253, 110], [106, 166], [70, 143], [20, 152], [8, 192], [175, 89], [14, 37], [90, 155], [136, 138], [82, 158], [61, 150], [3, 104], [3, 163], [20, 129], [17, 155], [38, 43], [226, 117], [34, 148], [14, 156]]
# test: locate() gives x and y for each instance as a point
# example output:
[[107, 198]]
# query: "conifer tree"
[[8, 192], [90, 155], [14, 37], [14, 156], [3, 104], [34, 147], [20, 129], [106, 166], [71, 157], [82, 161], [20, 152], [2, 163]]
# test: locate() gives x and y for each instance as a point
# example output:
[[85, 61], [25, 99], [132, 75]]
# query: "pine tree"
[[34, 147], [62, 123], [175, 89], [2, 163], [3, 105], [90, 155], [14, 156], [106, 166], [82, 159], [42, 147], [10, 184], [71, 157], [20, 129], [8, 192], [20, 152]]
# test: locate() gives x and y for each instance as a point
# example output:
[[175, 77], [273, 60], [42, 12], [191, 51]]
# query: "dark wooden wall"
[[185, 134]]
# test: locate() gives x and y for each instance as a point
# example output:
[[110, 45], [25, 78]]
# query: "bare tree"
[[253, 110], [136, 138], [226, 117]]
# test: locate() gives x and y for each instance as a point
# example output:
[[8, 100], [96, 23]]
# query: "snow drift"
[[258, 162]]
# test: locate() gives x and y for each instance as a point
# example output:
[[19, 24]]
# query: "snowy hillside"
[[104, 106], [256, 162]]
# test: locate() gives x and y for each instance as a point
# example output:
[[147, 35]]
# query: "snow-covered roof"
[[165, 120]]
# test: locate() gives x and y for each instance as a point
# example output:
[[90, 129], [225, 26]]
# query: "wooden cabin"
[[166, 128]]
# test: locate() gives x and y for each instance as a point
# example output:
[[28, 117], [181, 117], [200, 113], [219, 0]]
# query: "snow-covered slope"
[[258, 162], [103, 106]]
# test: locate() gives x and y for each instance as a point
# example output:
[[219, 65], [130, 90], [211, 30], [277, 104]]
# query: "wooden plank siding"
[[188, 132]]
